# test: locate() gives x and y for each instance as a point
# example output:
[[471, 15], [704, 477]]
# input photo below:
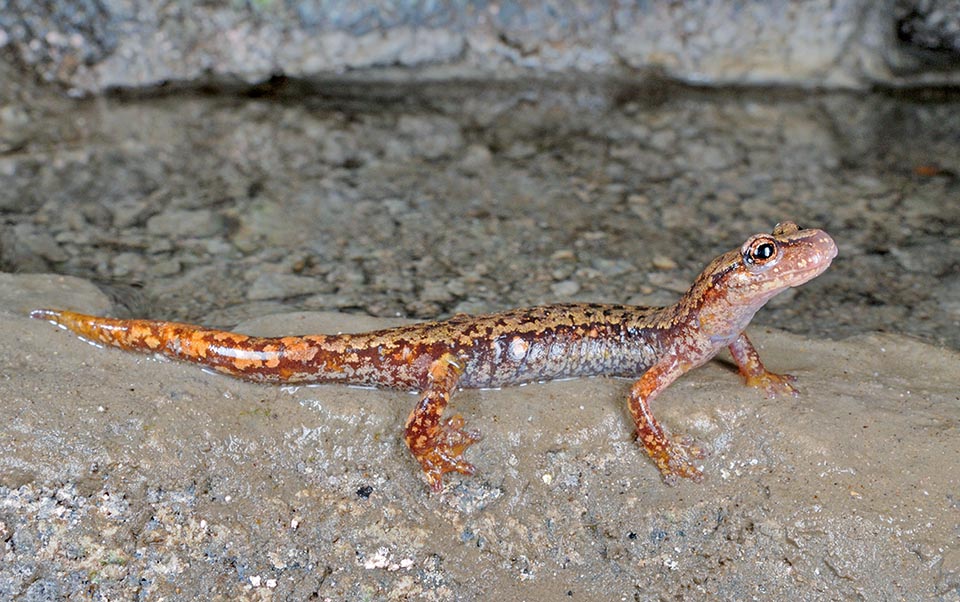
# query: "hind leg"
[[436, 443]]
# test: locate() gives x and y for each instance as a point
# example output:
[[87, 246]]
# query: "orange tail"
[[183, 341], [290, 359]]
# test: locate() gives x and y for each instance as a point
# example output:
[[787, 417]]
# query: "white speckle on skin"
[[518, 348]]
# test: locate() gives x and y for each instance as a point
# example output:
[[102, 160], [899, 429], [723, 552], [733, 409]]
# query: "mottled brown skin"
[[517, 346]]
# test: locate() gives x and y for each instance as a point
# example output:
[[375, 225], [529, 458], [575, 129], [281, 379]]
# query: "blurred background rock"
[[89, 46]]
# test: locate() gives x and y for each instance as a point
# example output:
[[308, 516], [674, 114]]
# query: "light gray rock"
[[269, 285], [93, 47], [183, 223], [34, 240], [565, 288], [123, 469]]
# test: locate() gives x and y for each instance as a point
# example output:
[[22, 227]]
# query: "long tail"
[[314, 359]]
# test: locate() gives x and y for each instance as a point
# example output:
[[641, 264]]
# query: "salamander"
[[655, 345]]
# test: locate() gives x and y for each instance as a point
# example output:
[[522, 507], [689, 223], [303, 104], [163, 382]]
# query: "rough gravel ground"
[[421, 202]]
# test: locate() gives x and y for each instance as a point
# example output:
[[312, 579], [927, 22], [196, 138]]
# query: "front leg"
[[673, 458], [754, 372], [439, 444]]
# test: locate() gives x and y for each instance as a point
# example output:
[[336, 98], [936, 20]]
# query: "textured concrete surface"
[[94, 46], [122, 477]]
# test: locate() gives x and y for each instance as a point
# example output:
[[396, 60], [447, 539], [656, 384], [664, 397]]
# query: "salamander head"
[[767, 264], [726, 295]]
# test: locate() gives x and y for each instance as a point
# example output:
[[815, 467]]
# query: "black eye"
[[760, 252], [763, 251]]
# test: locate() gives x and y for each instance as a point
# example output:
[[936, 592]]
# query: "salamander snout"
[[807, 254]]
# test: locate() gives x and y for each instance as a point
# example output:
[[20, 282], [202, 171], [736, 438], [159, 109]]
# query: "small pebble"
[[662, 262], [565, 288]]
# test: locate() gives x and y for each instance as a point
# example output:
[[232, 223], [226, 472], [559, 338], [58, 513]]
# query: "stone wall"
[[89, 46]]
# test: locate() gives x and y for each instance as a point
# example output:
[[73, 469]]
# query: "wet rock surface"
[[124, 477]]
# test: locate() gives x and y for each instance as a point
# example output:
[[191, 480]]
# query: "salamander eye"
[[760, 251], [763, 251]]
